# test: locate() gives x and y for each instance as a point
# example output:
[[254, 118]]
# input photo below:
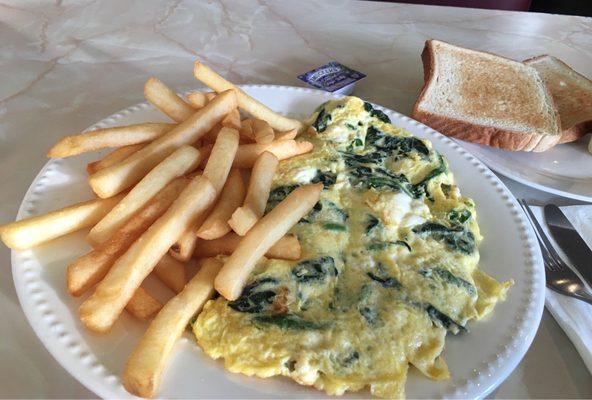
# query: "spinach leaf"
[[457, 238], [384, 245], [254, 298], [289, 321], [443, 320], [371, 223], [421, 188], [373, 176], [331, 226], [448, 277], [351, 358], [385, 281], [399, 146], [369, 314], [376, 113], [323, 119], [326, 178], [461, 216], [314, 270]]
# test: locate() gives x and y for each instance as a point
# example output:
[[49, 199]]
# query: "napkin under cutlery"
[[574, 316]]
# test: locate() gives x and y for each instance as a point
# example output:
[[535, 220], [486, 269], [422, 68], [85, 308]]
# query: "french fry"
[[171, 272], [232, 120], [100, 311], [248, 153], [87, 270], [113, 158], [183, 249], [216, 171], [110, 137], [287, 135], [183, 160], [197, 99], [221, 157], [232, 196], [212, 135], [243, 219], [119, 177], [246, 102], [210, 95], [253, 208], [146, 364], [287, 248], [142, 305], [246, 130], [262, 131], [166, 100], [231, 279], [33, 231]]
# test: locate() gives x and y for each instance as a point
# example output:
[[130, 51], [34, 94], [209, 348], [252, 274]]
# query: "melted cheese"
[[389, 265]]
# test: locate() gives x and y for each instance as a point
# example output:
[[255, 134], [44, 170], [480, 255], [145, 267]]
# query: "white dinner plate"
[[564, 170], [478, 360]]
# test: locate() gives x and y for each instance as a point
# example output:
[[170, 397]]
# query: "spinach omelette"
[[388, 267]]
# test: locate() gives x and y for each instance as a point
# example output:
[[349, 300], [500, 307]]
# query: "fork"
[[559, 275]]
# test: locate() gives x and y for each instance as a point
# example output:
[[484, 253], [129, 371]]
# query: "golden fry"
[[232, 196], [271, 228], [119, 177], [248, 153], [142, 305], [246, 102], [100, 311], [221, 158], [287, 248], [183, 249], [171, 272], [145, 365], [109, 137], [246, 131], [166, 100], [88, 269], [257, 194], [113, 158], [183, 160], [291, 134], [33, 231], [232, 120], [262, 131], [197, 100]]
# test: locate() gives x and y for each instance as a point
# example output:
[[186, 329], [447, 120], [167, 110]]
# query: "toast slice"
[[484, 98], [571, 92]]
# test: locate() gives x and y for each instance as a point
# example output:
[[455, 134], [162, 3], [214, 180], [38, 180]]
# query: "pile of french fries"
[[170, 193]]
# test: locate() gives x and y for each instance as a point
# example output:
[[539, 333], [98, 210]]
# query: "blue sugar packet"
[[332, 77]]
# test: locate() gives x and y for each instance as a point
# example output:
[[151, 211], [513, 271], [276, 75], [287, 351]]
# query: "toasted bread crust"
[[577, 131], [492, 136]]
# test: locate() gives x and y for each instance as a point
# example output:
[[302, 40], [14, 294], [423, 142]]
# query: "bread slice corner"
[[572, 94], [484, 98]]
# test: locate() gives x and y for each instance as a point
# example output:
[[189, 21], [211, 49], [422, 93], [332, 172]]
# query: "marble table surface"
[[66, 64]]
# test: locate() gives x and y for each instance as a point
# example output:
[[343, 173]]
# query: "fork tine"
[[533, 221], [558, 261], [548, 261]]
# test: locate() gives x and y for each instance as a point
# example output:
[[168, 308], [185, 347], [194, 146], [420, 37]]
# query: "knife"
[[570, 241]]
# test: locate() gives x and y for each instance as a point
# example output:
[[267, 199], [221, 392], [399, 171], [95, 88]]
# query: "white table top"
[[66, 66]]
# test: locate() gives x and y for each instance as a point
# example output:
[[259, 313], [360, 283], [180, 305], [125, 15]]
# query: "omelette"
[[388, 267]]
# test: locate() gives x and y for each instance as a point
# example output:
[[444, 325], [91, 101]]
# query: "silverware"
[[570, 241], [560, 277]]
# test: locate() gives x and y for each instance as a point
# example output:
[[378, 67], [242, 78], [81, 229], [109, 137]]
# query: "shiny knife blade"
[[570, 241]]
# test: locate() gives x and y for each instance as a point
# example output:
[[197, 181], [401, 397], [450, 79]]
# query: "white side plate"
[[478, 361], [564, 170]]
